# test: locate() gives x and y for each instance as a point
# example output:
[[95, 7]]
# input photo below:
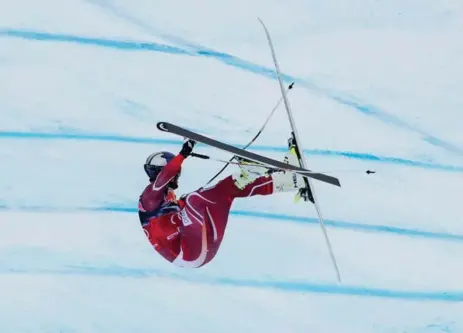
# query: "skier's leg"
[[228, 189], [204, 217], [205, 213], [193, 240], [255, 180], [203, 221]]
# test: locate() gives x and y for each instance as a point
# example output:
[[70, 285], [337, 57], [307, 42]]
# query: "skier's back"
[[188, 231]]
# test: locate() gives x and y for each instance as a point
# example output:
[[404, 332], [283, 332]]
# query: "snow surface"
[[377, 86]]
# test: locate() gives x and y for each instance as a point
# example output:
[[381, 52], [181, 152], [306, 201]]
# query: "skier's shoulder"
[[146, 196], [147, 190]]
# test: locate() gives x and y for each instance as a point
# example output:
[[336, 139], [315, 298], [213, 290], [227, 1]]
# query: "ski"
[[171, 128], [310, 193]]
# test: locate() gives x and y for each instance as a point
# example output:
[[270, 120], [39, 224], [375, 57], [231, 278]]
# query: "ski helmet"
[[156, 162]]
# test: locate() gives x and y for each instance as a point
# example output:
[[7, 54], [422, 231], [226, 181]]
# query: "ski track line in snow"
[[337, 224], [284, 285], [92, 41], [146, 140], [231, 60]]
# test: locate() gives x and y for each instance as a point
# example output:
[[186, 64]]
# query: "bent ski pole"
[[256, 136], [206, 157]]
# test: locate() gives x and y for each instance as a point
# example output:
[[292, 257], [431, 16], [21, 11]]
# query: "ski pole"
[[255, 137], [206, 157]]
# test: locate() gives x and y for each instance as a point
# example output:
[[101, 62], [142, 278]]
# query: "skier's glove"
[[187, 148]]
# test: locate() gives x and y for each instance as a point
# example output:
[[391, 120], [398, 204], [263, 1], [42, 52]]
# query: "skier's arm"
[[172, 168], [167, 174], [152, 199]]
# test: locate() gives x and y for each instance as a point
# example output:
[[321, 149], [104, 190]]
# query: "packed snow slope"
[[377, 87]]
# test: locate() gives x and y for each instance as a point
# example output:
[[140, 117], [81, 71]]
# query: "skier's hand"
[[187, 148]]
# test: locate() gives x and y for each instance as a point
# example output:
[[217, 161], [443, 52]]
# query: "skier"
[[188, 231]]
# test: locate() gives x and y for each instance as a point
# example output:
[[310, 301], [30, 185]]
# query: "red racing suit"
[[189, 231]]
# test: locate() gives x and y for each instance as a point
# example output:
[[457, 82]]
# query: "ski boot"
[[249, 172], [299, 185], [286, 181]]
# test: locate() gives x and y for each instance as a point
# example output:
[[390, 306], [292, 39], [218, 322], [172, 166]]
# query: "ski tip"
[[336, 182], [162, 126], [326, 179], [329, 179]]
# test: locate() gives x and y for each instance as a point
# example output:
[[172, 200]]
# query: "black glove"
[[187, 147]]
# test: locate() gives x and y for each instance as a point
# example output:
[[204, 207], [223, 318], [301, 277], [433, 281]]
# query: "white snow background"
[[378, 85]]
